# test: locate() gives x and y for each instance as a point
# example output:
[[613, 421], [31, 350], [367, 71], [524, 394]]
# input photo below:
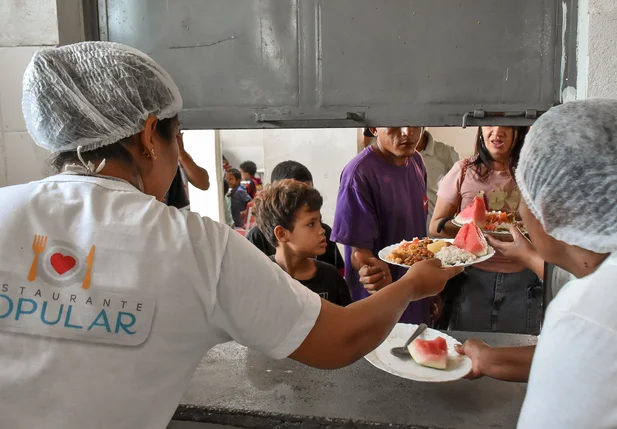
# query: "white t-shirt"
[[574, 370], [439, 158], [165, 286]]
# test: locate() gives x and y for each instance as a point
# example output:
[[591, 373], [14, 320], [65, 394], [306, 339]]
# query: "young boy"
[[288, 213], [239, 197], [229, 220], [253, 184], [296, 171]]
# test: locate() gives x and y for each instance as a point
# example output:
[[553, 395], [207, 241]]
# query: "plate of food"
[[490, 222], [439, 362], [468, 248]]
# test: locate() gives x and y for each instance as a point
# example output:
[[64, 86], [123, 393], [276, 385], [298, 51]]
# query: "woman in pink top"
[[499, 295]]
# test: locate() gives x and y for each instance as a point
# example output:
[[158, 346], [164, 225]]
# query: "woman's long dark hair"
[[482, 162]]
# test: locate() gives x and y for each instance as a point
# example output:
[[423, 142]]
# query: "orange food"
[[410, 252]]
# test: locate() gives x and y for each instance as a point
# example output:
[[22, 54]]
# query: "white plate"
[[458, 365], [387, 250]]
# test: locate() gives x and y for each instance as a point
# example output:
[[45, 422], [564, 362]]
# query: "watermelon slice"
[[431, 353], [470, 238], [474, 212]]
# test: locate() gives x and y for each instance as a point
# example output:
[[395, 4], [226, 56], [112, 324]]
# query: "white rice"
[[452, 255]]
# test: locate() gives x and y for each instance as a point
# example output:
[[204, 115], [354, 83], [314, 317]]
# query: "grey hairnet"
[[93, 94], [567, 173]]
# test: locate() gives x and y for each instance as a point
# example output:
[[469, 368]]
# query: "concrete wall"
[[597, 48], [25, 27]]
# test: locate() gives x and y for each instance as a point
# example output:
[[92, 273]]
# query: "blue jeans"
[[497, 302]]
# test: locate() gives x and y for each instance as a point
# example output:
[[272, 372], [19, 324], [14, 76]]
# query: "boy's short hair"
[[235, 173], [249, 167], [291, 170], [277, 204]]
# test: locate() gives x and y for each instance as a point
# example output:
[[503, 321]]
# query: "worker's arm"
[[520, 249], [257, 304], [342, 335], [443, 210], [197, 175], [501, 363]]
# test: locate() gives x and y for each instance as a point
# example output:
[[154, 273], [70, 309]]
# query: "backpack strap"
[[460, 183]]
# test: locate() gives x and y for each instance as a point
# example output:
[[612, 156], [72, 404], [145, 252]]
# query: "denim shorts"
[[497, 302]]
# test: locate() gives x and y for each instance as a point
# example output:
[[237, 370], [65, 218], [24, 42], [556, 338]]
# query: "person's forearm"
[[360, 328], [534, 262], [507, 363], [197, 175], [449, 230]]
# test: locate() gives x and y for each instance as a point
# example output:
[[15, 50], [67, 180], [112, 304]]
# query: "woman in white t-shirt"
[[108, 297], [568, 179]]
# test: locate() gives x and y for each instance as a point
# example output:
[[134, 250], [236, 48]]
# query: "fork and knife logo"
[[59, 262]]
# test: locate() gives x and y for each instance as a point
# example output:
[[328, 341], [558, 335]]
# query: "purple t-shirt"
[[380, 204]]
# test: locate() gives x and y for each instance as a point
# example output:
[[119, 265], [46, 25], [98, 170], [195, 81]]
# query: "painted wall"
[[463, 140], [203, 145], [325, 152], [243, 145]]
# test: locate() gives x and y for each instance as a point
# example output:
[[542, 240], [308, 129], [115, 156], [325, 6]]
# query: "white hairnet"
[[567, 173], [93, 94]]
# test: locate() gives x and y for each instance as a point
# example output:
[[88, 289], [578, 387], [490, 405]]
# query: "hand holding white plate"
[[458, 365]]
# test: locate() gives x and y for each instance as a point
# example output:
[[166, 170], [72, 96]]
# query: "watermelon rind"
[[424, 359]]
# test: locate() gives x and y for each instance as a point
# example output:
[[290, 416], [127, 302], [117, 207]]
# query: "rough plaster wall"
[[25, 27], [28, 23], [602, 42]]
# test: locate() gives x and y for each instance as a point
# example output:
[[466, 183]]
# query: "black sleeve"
[[257, 237], [332, 255], [344, 297]]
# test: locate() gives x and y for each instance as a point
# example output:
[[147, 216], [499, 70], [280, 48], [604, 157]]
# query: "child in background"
[[288, 213], [238, 196], [229, 220], [296, 171], [253, 184]]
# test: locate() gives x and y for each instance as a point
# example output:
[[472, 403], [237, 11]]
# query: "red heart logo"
[[62, 263]]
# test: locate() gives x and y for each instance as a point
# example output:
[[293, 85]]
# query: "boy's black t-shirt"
[[327, 283], [332, 255]]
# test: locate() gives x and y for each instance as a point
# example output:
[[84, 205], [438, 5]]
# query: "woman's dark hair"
[[225, 187], [235, 173], [291, 170], [115, 151], [249, 167], [277, 205], [482, 163]]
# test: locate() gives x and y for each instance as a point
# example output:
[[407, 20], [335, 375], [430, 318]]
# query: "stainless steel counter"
[[239, 387]]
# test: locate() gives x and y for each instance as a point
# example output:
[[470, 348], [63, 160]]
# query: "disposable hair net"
[[93, 94], [567, 173]]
